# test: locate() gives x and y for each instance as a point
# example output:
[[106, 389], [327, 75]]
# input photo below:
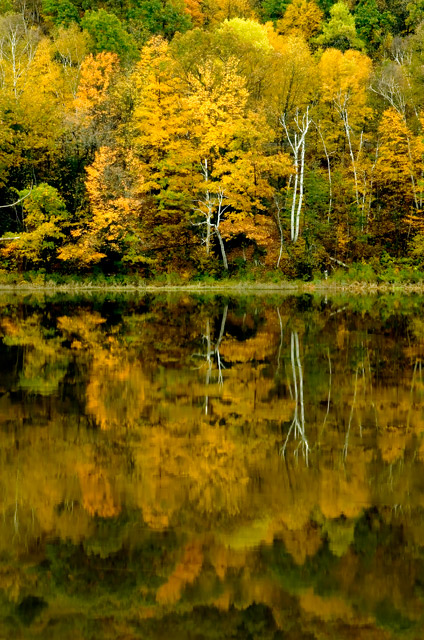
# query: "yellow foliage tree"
[[112, 224], [219, 10], [71, 46], [343, 99], [45, 223], [42, 109], [198, 142], [96, 76], [292, 74], [31, 120], [194, 10], [343, 86], [301, 16], [398, 171], [394, 166]]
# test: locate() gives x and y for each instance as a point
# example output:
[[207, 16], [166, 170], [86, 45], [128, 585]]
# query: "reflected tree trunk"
[[297, 426], [280, 346], [352, 410], [208, 361], [330, 374], [15, 514], [213, 351]]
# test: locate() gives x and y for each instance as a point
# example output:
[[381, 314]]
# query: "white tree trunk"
[[345, 118], [212, 207], [330, 185], [221, 245], [297, 142], [208, 206], [280, 228]]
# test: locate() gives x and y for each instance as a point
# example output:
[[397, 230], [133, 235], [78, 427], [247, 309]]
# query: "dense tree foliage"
[[205, 137]]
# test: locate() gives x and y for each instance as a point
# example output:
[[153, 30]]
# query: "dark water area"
[[211, 467]]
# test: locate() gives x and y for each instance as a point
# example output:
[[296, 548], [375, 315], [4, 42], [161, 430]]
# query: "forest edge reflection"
[[143, 489]]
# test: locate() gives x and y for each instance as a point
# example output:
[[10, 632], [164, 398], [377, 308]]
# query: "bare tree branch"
[[13, 204]]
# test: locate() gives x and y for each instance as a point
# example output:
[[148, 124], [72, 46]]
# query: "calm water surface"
[[211, 467]]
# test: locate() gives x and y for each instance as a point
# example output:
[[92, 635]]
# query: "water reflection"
[[212, 353], [298, 423], [211, 467]]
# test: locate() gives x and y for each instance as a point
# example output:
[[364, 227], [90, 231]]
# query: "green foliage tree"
[[373, 25], [108, 34], [325, 6], [340, 30], [44, 223], [62, 12], [399, 10], [161, 17], [6, 6], [273, 10], [415, 13]]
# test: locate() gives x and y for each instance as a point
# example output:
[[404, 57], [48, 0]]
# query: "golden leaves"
[[95, 80], [391, 442], [346, 495], [393, 164], [344, 78], [112, 186], [301, 16], [194, 10]]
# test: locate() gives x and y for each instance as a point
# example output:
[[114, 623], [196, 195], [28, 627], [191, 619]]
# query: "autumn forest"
[[211, 137]]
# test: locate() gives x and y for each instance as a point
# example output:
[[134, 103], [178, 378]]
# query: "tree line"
[[208, 137]]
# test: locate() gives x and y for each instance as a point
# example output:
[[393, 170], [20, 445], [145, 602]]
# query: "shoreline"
[[236, 287]]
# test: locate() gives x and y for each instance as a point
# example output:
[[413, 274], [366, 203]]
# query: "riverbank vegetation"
[[190, 140], [359, 278]]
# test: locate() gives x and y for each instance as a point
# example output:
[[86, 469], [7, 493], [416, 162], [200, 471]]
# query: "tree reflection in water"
[[143, 497], [297, 426], [212, 352]]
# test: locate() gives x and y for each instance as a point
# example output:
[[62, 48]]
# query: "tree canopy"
[[227, 134]]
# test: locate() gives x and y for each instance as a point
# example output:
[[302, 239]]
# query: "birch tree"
[[212, 208], [18, 44], [344, 79], [297, 142]]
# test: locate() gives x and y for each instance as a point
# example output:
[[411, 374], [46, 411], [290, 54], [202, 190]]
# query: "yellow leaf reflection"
[[97, 495], [333, 608]]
